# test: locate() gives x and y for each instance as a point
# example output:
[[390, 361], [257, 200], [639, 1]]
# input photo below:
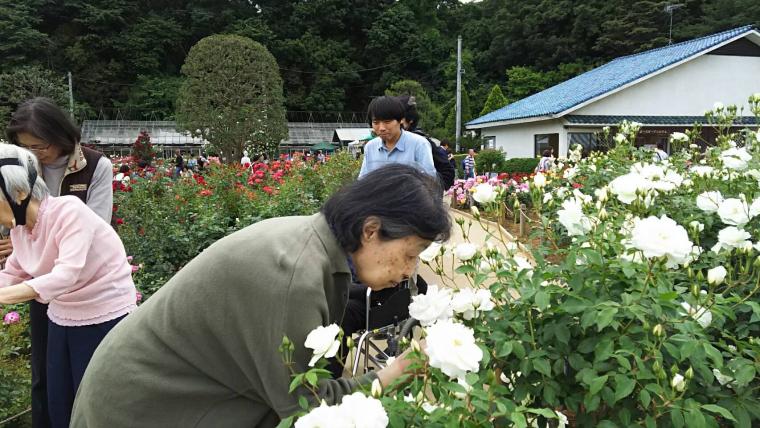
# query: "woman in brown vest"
[[68, 169]]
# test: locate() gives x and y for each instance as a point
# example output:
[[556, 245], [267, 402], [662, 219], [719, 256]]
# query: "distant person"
[[393, 144], [202, 162], [179, 164], [192, 163], [320, 156], [468, 164], [546, 162], [660, 154], [449, 154], [245, 160]]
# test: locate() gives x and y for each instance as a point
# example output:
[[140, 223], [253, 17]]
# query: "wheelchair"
[[386, 319]]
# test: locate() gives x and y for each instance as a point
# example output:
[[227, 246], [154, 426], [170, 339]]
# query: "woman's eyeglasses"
[[35, 149]]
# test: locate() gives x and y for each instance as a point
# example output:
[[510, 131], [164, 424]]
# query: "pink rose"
[[11, 318], [138, 297]]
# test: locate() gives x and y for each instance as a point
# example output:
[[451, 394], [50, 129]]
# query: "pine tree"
[[495, 100]]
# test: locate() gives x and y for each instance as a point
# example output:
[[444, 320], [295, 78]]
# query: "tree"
[[430, 114], [495, 100], [232, 96], [23, 83], [21, 41]]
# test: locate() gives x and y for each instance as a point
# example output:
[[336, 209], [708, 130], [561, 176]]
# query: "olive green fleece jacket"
[[203, 351]]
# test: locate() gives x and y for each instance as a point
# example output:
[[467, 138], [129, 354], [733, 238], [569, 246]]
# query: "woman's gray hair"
[[16, 178]]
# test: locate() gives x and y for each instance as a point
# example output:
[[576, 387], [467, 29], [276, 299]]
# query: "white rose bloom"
[[569, 173], [709, 201], [658, 237], [753, 173], [734, 158], [732, 237], [484, 193], [702, 170], [754, 209], [363, 412], [734, 212], [563, 421], [465, 251], [323, 416], [431, 252], [722, 379], [718, 106], [451, 348], [539, 180], [521, 264], [323, 341], [468, 302], [716, 275], [679, 137], [571, 216], [475, 211], [701, 315], [678, 383], [696, 225], [619, 138], [602, 194], [582, 197], [548, 197], [432, 306], [626, 187]]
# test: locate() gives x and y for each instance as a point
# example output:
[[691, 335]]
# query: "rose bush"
[[640, 306]]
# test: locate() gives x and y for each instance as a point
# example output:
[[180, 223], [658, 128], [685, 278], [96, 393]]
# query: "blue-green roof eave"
[[606, 78]]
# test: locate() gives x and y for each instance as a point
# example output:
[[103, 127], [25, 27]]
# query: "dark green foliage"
[[429, 113], [489, 160], [19, 84], [232, 96], [495, 100], [526, 165]]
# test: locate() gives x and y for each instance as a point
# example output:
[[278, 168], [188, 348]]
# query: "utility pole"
[[459, 94], [669, 10], [71, 97]]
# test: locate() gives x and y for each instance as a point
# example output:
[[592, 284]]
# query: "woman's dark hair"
[[547, 153], [385, 108], [410, 111], [43, 119], [124, 169], [406, 201]]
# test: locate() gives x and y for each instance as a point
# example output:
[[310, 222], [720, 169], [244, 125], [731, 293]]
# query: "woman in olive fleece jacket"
[[203, 351]]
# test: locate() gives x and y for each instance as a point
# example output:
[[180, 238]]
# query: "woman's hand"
[[399, 367], [18, 293]]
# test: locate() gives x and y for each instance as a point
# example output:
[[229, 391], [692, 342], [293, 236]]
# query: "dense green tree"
[[451, 117], [232, 96], [495, 101], [20, 40], [152, 98], [430, 114], [20, 84]]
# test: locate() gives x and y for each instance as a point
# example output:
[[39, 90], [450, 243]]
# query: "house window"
[[587, 140], [489, 142], [544, 142]]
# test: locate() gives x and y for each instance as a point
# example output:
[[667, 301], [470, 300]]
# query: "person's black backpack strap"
[[443, 167]]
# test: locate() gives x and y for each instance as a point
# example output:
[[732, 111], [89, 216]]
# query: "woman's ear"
[[21, 196], [370, 229]]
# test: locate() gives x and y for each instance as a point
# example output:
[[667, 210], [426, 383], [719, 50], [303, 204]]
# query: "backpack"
[[443, 167]]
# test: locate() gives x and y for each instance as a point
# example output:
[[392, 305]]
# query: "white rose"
[[732, 237], [696, 226], [753, 173], [735, 158], [431, 252], [602, 194], [547, 197], [626, 187], [716, 275], [709, 201], [658, 237], [465, 251], [679, 137], [721, 378], [701, 315], [569, 173], [571, 216], [323, 341], [323, 416], [484, 193], [539, 180], [451, 348], [678, 383], [734, 211], [363, 412], [718, 106], [468, 302], [521, 264], [702, 170], [563, 421], [432, 306], [754, 209]]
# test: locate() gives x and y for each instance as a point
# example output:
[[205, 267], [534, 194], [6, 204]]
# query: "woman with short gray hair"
[[67, 256]]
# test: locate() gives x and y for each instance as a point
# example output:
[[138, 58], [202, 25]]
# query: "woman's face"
[[384, 263], [46, 153]]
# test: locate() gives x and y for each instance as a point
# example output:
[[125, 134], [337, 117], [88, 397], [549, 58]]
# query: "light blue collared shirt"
[[411, 149]]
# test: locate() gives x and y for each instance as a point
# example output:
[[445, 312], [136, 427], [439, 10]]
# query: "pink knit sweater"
[[75, 261]]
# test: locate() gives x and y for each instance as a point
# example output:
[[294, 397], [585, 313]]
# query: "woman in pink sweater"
[[67, 256]]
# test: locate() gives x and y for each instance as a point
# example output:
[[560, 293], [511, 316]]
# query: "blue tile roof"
[[606, 78]]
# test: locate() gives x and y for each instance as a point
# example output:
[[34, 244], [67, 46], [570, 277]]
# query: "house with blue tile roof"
[[666, 89]]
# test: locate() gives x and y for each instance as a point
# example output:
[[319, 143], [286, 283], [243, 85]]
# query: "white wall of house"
[[689, 89], [518, 141]]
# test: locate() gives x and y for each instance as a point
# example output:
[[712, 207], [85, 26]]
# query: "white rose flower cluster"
[[485, 193], [355, 411], [571, 216], [735, 158], [469, 303], [440, 304], [736, 213]]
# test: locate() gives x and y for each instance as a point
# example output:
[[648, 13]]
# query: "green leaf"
[[312, 378], [542, 366], [644, 398], [624, 386], [465, 269], [695, 419], [719, 410], [296, 382], [714, 354], [604, 318], [597, 384], [562, 333], [286, 423], [574, 305], [542, 299], [504, 350], [547, 413], [676, 418], [745, 374], [649, 422]]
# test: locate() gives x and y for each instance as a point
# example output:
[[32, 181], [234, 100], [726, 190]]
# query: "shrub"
[[15, 371], [522, 165], [489, 160]]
